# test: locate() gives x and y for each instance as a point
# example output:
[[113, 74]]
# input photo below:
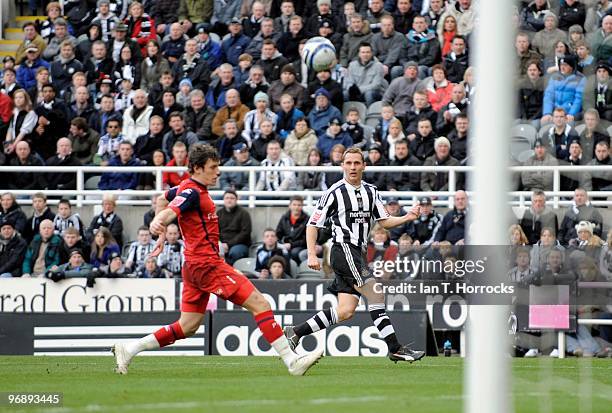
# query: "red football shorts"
[[213, 277]]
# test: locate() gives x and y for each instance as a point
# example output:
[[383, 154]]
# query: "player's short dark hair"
[[199, 154]]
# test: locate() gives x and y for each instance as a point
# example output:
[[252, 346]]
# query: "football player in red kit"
[[205, 272]]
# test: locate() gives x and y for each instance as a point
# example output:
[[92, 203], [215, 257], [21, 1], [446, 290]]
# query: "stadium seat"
[[525, 131], [374, 109], [215, 37], [360, 106], [126, 249], [92, 183], [293, 270], [580, 128], [544, 130], [368, 131], [246, 266], [371, 122], [305, 272], [523, 156], [253, 249], [518, 145], [373, 114]]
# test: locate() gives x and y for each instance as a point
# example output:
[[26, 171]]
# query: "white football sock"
[[281, 345], [145, 343]]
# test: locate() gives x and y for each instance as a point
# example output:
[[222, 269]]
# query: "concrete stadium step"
[[9, 45], [22, 19], [4, 53], [13, 33]]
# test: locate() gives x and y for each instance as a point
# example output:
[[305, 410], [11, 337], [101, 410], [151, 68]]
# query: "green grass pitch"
[[261, 384]]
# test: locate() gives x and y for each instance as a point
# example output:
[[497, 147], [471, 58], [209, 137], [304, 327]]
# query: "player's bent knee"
[[190, 325], [345, 313], [257, 303]]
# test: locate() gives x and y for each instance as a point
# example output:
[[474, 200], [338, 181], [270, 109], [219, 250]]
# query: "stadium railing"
[[249, 197], [585, 321]]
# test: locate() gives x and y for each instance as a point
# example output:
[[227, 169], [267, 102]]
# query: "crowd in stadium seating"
[[38, 245], [125, 81]]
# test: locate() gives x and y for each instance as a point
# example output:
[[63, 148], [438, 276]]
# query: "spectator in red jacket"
[[6, 112], [141, 26], [179, 158]]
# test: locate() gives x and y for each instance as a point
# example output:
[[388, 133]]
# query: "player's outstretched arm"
[[393, 222], [163, 218], [158, 227], [312, 233]]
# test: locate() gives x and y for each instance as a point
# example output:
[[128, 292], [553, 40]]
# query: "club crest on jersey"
[[315, 217], [178, 201]]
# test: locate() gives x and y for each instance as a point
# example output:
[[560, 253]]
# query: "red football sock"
[[268, 326], [169, 334]]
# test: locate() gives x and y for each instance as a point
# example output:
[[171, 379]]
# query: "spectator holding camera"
[[76, 267]]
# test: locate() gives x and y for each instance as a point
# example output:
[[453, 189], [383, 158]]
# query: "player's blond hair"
[[353, 150]]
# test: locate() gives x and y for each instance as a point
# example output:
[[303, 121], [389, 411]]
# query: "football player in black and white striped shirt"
[[352, 206]]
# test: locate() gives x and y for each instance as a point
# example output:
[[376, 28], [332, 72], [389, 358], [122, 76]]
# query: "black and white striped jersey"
[[351, 212], [138, 253]]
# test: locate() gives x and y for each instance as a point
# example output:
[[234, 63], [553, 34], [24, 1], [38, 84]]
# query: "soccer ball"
[[319, 54]]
